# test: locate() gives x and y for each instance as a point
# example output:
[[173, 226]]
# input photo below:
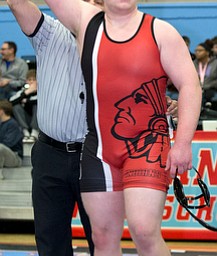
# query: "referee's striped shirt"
[[61, 90]]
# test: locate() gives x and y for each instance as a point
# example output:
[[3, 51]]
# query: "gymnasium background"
[[198, 20], [195, 19]]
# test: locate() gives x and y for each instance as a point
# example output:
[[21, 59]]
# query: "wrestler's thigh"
[[144, 207], [105, 209]]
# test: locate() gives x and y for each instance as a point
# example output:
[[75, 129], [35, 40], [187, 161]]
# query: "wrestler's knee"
[[100, 237], [105, 236], [144, 233]]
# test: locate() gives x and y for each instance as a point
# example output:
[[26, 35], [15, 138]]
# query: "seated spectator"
[[206, 66], [25, 107], [11, 135], [13, 70]]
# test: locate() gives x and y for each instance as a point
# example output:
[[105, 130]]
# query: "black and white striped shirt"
[[61, 89]]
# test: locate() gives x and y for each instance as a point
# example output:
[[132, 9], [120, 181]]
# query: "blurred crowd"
[[18, 85], [205, 61]]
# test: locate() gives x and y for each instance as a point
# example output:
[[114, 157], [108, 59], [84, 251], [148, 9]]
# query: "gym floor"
[[17, 238]]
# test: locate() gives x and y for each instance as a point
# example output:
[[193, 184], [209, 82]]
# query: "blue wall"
[[197, 20], [10, 31]]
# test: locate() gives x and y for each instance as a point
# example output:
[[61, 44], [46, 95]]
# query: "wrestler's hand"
[[179, 159], [172, 108]]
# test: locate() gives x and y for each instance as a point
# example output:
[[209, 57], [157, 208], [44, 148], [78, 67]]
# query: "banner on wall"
[[177, 223]]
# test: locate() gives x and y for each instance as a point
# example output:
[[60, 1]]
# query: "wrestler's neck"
[[122, 27]]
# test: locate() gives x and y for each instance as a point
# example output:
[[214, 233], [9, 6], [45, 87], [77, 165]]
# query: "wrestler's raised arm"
[[74, 14]]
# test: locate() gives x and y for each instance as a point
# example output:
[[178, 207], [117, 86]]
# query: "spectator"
[[206, 66], [11, 146], [209, 43], [214, 46], [13, 70], [188, 42], [25, 107]]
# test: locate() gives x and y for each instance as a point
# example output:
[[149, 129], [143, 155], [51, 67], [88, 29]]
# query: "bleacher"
[[15, 190]]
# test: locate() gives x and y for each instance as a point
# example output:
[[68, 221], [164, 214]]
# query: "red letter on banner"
[[207, 210], [168, 208], [206, 163]]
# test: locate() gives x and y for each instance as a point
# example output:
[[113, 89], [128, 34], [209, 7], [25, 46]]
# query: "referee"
[[62, 124]]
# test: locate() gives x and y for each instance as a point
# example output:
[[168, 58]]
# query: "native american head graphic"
[[141, 121]]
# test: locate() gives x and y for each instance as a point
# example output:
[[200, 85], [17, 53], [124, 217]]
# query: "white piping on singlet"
[[106, 167]]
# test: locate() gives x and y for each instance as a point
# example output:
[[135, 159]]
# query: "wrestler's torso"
[[126, 93]]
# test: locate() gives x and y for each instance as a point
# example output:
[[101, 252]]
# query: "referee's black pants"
[[55, 190]]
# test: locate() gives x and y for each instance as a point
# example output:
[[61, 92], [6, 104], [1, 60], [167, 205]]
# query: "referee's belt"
[[71, 147]]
